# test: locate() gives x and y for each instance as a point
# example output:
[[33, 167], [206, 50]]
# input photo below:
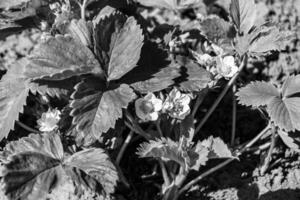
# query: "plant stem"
[[191, 183], [83, 7], [233, 128], [266, 164], [164, 173], [157, 123], [24, 126], [199, 100], [220, 97], [124, 146], [226, 162]]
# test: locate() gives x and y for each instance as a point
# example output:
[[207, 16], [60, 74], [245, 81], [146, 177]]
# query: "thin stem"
[[266, 164], [233, 128], [199, 100], [164, 173], [194, 181], [226, 162], [157, 123], [124, 146], [83, 7], [220, 97], [24, 126]]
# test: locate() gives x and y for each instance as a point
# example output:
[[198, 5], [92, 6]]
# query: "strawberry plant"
[[110, 81]]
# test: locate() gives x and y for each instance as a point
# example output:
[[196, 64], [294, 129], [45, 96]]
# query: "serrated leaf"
[[257, 94], [283, 108], [96, 164], [61, 57], [119, 45], [164, 149], [269, 39], [290, 139], [7, 4], [14, 89], [197, 78], [32, 167], [35, 165], [243, 13], [59, 89], [170, 4], [199, 156], [218, 31], [152, 75], [95, 110], [217, 148], [81, 31]]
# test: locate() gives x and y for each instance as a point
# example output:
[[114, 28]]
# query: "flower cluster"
[[225, 64], [176, 105]]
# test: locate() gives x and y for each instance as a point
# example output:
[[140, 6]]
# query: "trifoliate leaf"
[[61, 57], [170, 4], [166, 150], [95, 110], [96, 164], [218, 31], [32, 166], [257, 94], [197, 78], [152, 75], [36, 165], [121, 42], [81, 31], [291, 139], [243, 13], [217, 148], [14, 89], [283, 108]]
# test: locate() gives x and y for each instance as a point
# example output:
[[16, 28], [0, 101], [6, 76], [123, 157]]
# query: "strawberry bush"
[[140, 99]]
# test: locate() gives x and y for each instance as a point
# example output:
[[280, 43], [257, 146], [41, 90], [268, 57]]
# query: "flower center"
[[146, 107]]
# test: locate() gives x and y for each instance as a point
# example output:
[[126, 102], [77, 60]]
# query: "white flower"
[[148, 107], [177, 104], [48, 121], [203, 59], [226, 66]]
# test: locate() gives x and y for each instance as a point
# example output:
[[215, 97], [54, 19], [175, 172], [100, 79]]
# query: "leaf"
[[95, 111], [218, 31], [170, 4], [243, 13], [290, 139], [32, 167], [152, 75], [36, 165], [122, 41], [61, 57], [199, 156], [81, 31], [283, 108], [197, 78], [217, 148], [96, 164], [165, 149], [14, 89], [257, 94], [269, 39], [7, 4]]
